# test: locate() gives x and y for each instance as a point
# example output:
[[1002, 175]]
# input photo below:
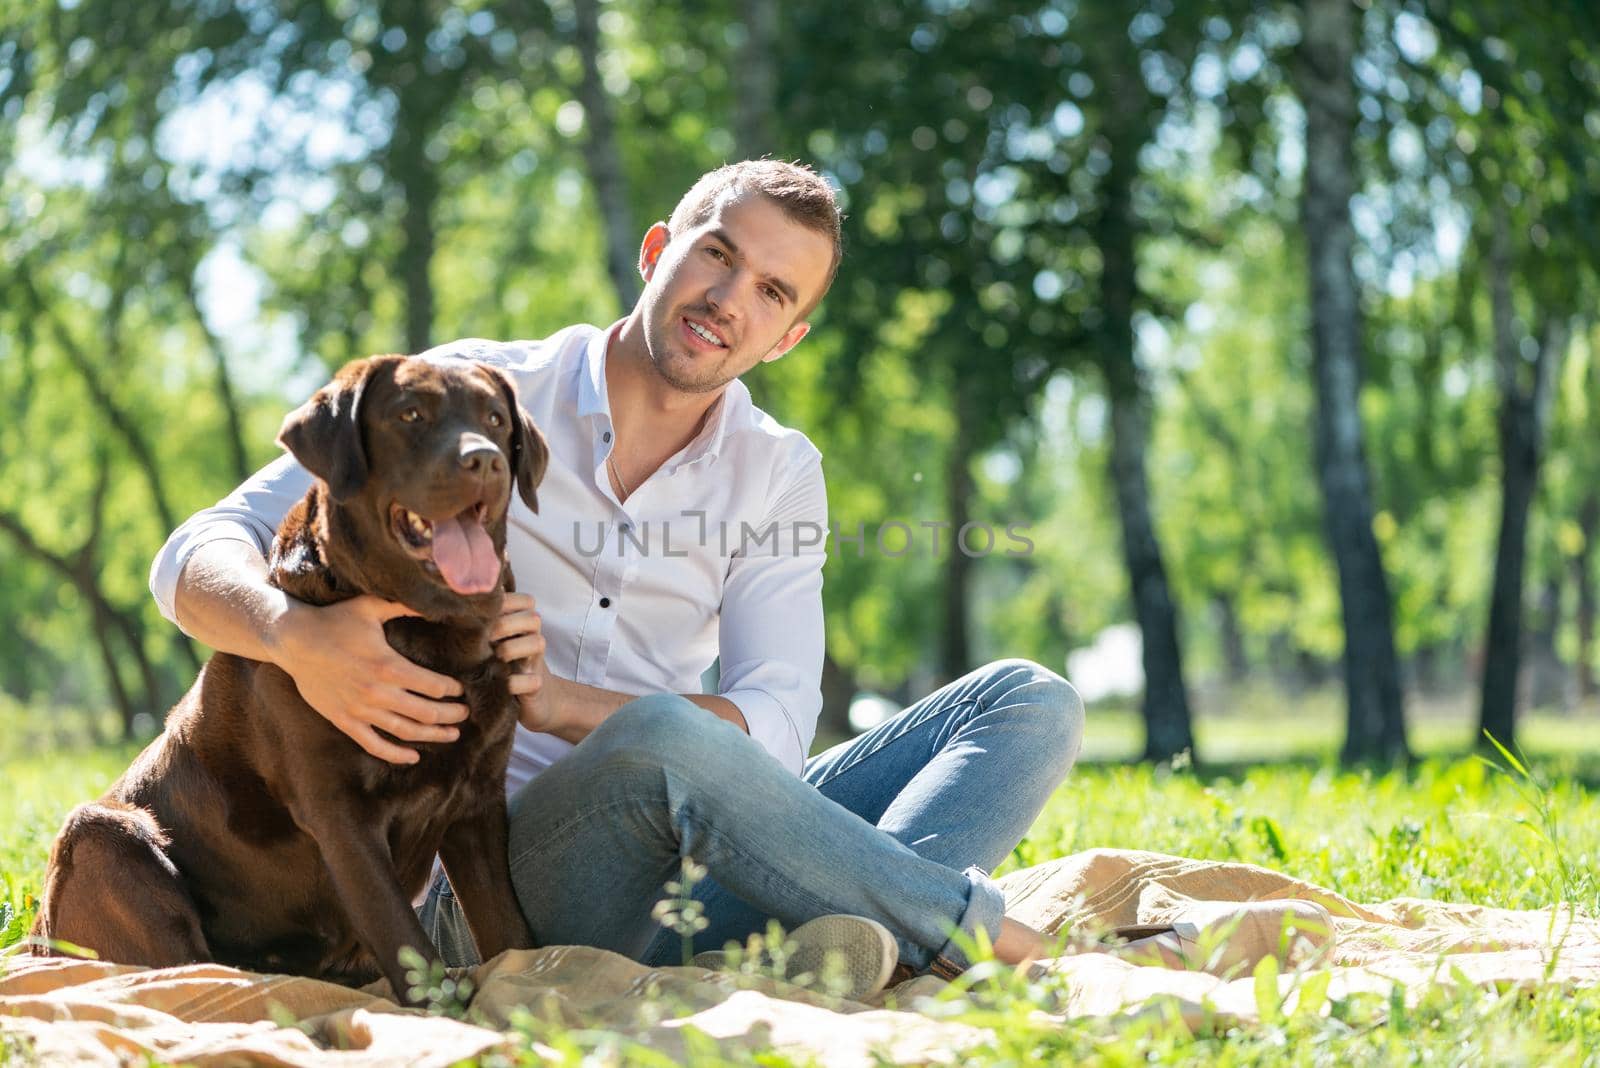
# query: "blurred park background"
[[1273, 325]]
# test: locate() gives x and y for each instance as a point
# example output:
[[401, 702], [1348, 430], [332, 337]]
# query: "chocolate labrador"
[[254, 833]]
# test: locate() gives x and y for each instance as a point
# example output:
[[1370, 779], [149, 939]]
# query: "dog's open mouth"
[[457, 547]]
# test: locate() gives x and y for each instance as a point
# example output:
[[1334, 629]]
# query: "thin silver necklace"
[[612, 464]]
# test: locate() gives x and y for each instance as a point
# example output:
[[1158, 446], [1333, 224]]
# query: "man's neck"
[[644, 407]]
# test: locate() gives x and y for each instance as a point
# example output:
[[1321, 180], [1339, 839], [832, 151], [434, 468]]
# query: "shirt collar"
[[594, 400], [708, 442]]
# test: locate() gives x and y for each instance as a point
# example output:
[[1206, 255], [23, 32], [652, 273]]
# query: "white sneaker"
[[851, 957]]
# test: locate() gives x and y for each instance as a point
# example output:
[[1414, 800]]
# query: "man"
[[678, 525]]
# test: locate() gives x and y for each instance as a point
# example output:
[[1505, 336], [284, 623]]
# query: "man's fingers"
[[418, 679], [377, 745], [379, 609], [382, 611], [516, 602], [525, 682], [435, 715], [515, 623], [409, 730], [521, 648]]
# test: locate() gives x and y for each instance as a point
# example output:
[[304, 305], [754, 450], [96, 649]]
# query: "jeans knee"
[[663, 729], [1067, 708], [1057, 707]]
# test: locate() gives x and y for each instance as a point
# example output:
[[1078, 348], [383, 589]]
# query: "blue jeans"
[[900, 824]]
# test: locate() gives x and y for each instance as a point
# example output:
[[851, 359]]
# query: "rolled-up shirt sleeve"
[[251, 514], [770, 632]]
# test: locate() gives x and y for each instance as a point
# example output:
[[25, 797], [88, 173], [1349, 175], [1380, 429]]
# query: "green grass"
[[36, 791], [1449, 827]]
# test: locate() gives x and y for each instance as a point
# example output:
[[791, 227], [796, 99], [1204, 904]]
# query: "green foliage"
[[378, 159], [444, 991], [678, 911]]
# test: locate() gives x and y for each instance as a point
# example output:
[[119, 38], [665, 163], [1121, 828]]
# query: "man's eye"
[[717, 252], [772, 294], [411, 415], [495, 420]]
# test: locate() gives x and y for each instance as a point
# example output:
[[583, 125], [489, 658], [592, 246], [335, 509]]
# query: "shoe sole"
[[865, 947]]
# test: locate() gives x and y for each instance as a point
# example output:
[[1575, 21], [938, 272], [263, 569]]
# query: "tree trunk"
[[118, 418], [1547, 676], [1524, 411], [604, 161], [1425, 670], [127, 710], [420, 187], [1503, 647], [424, 100], [1583, 580], [955, 654], [226, 395], [79, 569], [1167, 719], [1324, 80], [756, 79], [121, 422], [838, 690], [1234, 659]]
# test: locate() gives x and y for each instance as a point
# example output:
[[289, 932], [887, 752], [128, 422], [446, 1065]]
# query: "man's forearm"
[[224, 600], [579, 709]]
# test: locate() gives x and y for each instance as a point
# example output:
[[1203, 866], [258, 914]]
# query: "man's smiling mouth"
[[705, 333]]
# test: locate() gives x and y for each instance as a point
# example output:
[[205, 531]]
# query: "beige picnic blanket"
[[79, 1011]]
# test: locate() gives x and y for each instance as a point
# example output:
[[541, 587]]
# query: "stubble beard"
[[671, 367], [676, 368]]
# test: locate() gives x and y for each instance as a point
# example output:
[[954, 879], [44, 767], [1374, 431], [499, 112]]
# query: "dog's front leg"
[[359, 862], [474, 856]]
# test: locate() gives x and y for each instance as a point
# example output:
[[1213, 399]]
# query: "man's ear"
[[324, 433], [530, 454], [655, 241], [789, 340]]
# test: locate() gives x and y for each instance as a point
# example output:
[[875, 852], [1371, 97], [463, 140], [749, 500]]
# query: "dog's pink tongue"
[[465, 556]]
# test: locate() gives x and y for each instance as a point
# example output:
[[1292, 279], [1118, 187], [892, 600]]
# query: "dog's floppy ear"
[[529, 453], [324, 433]]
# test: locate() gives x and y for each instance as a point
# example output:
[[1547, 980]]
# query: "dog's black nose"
[[479, 454]]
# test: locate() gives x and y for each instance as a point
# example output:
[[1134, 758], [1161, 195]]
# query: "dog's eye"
[[495, 420], [411, 415]]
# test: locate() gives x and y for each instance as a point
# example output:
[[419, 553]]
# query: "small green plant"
[[445, 991], [16, 1049], [1564, 881], [678, 911]]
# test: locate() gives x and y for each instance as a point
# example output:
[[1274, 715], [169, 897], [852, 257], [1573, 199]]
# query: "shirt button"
[[606, 437], [605, 602]]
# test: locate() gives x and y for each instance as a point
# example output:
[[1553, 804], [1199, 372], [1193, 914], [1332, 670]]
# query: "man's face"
[[728, 294]]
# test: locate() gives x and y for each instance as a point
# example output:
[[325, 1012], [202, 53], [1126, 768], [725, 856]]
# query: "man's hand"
[[558, 706], [345, 668], [519, 641]]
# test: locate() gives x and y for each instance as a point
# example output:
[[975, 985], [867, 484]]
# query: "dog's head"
[[419, 455]]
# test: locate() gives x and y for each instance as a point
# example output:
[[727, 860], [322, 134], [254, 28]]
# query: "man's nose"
[[719, 299], [480, 455]]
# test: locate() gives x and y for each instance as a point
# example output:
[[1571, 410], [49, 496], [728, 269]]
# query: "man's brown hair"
[[800, 191]]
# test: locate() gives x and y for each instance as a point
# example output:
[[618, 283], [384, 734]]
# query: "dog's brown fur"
[[252, 831]]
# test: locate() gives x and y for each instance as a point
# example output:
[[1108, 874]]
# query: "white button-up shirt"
[[719, 553]]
